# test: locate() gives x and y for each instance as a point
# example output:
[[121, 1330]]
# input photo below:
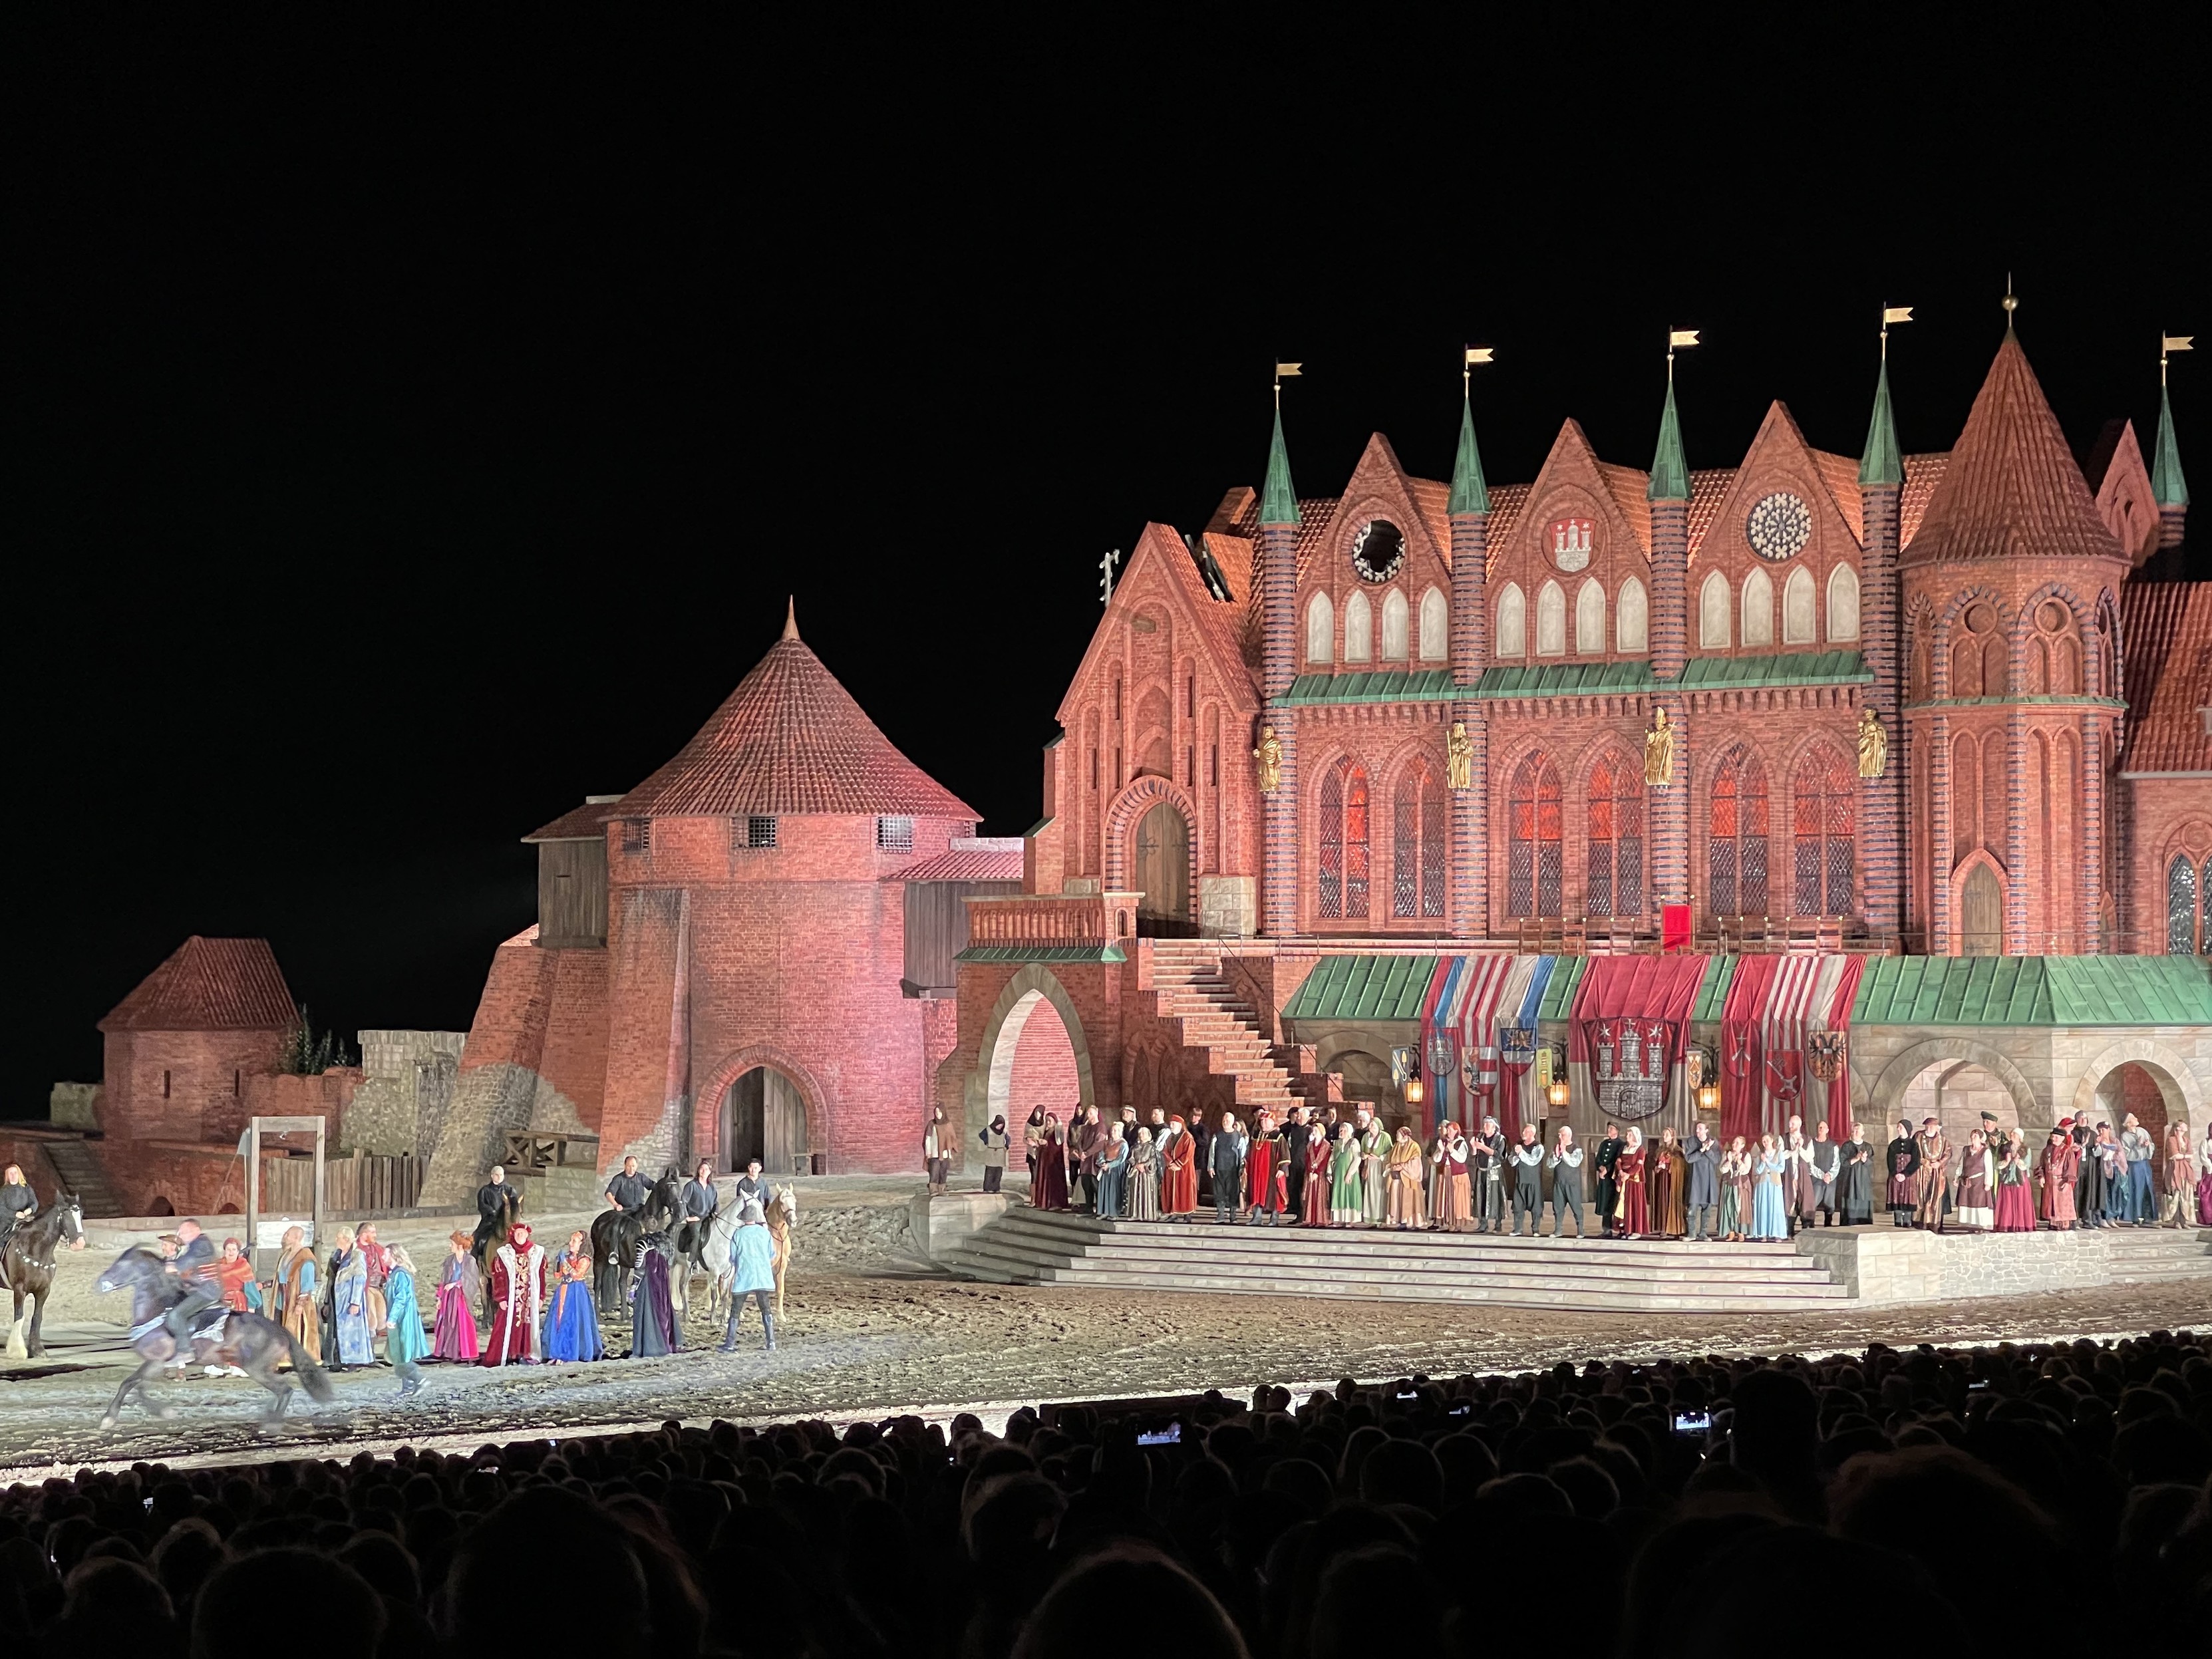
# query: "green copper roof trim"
[[1393, 685], [1469, 494], [1278, 502], [1881, 464], [1041, 953], [2167, 487], [1363, 988], [1582, 679], [2022, 696], [1713, 988], [1566, 679], [1670, 472], [1559, 990], [2034, 990], [1786, 668]]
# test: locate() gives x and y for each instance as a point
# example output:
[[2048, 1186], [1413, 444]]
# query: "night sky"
[[410, 435]]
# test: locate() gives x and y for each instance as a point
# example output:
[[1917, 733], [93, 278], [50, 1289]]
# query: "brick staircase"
[[1187, 982], [78, 1169], [2144, 1255], [1037, 1247]]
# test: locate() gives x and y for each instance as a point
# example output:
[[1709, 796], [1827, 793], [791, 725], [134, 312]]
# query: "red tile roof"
[[209, 984], [789, 739], [2011, 486], [2165, 631], [1922, 474], [980, 858], [585, 822]]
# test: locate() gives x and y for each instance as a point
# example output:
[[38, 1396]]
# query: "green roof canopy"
[[1713, 989], [2034, 990], [1429, 686], [1363, 988], [1041, 953]]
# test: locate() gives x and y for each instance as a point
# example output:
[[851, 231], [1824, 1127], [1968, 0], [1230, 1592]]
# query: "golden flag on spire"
[[2173, 343], [1681, 336], [1479, 355], [1896, 314], [1286, 371]]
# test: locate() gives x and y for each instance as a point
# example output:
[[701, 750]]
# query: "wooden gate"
[[362, 1183], [1163, 872]]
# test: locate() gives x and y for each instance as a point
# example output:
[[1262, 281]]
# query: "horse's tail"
[[313, 1377]]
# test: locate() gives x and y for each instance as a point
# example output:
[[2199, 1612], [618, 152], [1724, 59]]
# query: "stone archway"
[[706, 1104], [1887, 1095], [990, 1084], [2177, 1084]]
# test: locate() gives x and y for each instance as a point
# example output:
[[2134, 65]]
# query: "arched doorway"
[[1033, 1064], [2133, 1088], [1163, 861], [1955, 1093], [1981, 913], [763, 1117]]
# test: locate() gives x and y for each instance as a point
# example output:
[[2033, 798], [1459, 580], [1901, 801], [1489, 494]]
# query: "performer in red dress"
[[1260, 1169], [1178, 1170], [1635, 1207], [1049, 1190], [518, 1300]]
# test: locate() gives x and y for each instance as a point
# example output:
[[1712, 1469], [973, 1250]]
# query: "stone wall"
[[1883, 1264], [407, 1085], [2050, 1072], [75, 1105]]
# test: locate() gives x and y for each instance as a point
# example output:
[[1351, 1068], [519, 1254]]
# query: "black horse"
[[615, 1235], [28, 1261], [256, 1346], [492, 1230]]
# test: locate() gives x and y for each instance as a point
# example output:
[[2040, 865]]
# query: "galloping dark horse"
[[615, 1234], [29, 1262], [253, 1344]]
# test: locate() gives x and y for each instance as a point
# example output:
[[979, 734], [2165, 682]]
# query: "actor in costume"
[[1344, 1208], [1608, 1183], [1374, 1153], [1855, 1186], [1632, 1209], [2142, 1201], [1526, 1161], [1904, 1174], [377, 1260], [752, 1272], [1178, 1171], [1487, 1159], [2180, 1177], [234, 1273], [1033, 1145], [295, 1292], [1976, 1209], [18, 1203], [1314, 1154], [404, 1344], [518, 1300], [1932, 1186], [350, 1301], [459, 1286], [2059, 1170], [1403, 1200], [628, 1188], [1261, 1165], [495, 1195], [653, 1327], [1085, 1138], [1703, 1190], [936, 1153], [1112, 1161], [1666, 1176], [1797, 1176], [1735, 1174], [572, 1323], [1824, 1161], [1293, 1157], [1454, 1208], [1230, 1144], [1050, 1190], [2204, 1180], [1565, 1163], [1770, 1213], [1143, 1177], [2015, 1208]]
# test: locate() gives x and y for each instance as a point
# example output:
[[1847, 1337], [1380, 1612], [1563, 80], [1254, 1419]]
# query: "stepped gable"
[[2012, 488], [209, 984], [2166, 630], [789, 739]]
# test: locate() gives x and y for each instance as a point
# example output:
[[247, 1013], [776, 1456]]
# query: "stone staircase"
[[1187, 982], [1037, 1247], [77, 1168], [2145, 1254]]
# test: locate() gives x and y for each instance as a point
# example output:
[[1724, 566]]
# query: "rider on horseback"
[[627, 1191], [494, 1194], [196, 1270], [701, 1201], [17, 1201]]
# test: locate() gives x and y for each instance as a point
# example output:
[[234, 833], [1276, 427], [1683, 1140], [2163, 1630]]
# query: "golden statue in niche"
[[1459, 757], [1659, 752], [1873, 745], [1270, 754]]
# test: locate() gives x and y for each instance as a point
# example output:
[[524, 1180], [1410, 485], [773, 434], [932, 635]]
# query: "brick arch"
[[2176, 1082], [2024, 628], [1885, 1098], [706, 1104], [992, 1077], [1128, 808], [2108, 657]]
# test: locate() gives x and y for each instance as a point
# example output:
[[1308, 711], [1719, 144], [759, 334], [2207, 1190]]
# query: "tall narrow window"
[[1393, 626], [1798, 621], [165, 1085], [1713, 613], [1190, 697], [1758, 609], [1436, 626], [1512, 623], [1417, 843], [1631, 622], [1358, 629], [2181, 907], [1735, 847], [1320, 629], [1589, 619], [1532, 853], [1551, 620], [1344, 841], [1823, 801], [1843, 604], [1616, 839]]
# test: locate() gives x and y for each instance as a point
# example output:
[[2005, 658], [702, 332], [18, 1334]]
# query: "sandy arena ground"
[[870, 1330]]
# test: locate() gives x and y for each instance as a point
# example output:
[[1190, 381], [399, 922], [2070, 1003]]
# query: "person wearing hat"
[[518, 1300], [2059, 1168], [752, 1263], [1932, 1184]]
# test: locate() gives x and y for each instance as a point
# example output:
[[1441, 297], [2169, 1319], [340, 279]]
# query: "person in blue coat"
[[405, 1343], [752, 1263]]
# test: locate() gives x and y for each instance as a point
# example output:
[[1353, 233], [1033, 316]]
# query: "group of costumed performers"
[[2085, 1175]]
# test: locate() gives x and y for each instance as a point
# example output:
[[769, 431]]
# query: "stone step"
[[1592, 1299]]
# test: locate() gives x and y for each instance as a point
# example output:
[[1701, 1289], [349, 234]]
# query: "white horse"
[[782, 1219]]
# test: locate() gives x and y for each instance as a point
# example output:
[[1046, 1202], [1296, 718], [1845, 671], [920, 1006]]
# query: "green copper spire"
[[1881, 464], [2167, 487], [1278, 502], [1469, 493], [1670, 472]]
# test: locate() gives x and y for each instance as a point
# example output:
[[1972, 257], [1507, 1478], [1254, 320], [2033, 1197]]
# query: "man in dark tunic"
[[752, 1186], [195, 1269], [1486, 1166], [1528, 1162], [1702, 1190], [1294, 1148], [1229, 1144], [1904, 1174], [1823, 1159], [1856, 1185], [627, 1191], [1608, 1184], [495, 1193]]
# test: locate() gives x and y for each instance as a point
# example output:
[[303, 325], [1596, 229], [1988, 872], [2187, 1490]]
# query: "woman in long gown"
[[2015, 1208], [1347, 1203], [1735, 1190], [1049, 1190], [654, 1328], [1178, 1170], [403, 1341], [1976, 1209], [1113, 1170], [2204, 1180], [1402, 1180], [1315, 1154], [1633, 1206], [2180, 1173], [1453, 1210], [2060, 1167], [350, 1303], [460, 1284], [295, 1292], [1033, 1145], [572, 1324], [1144, 1178], [1667, 1173], [1769, 1219], [518, 1300]]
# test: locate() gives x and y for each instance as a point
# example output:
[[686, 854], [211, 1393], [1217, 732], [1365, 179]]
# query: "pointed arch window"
[[1616, 839], [1417, 843], [1358, 629], [1713, 613], [1735, 843], [2185, 934], [1632, 619], [1551, 620], [1320, 629], [1824, 799], [1758, 609], [1533, 855], [1436, 626], [1589, 619], [1798, 621], [1393, 626], [1344, 841], [1843, 604], [1512, 621]]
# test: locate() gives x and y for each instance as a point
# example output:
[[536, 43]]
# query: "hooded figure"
[[654, 1329]]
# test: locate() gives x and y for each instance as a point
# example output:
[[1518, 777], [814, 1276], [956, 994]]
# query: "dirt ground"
[[869, 1330]]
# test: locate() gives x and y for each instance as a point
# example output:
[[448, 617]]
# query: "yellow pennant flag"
[[1479, 355], [1681, 336], [1896, 314], [1286, 371], [2176, 342]]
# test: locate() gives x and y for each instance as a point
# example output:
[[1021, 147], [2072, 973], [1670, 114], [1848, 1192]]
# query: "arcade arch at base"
[[1032, 994], [1977, 1076], [2103, 1085]]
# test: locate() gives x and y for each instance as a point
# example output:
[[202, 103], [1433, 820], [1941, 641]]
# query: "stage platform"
[[1829, 1268]]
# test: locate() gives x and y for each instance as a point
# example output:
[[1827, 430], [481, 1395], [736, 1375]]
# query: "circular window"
[[1779, 527], [1378, 550], [1980, 620], [2053, 616]]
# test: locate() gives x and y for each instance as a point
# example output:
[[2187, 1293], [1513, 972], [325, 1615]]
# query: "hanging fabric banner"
[[1776, 1007], [1486, 1004], [1627, 1036]]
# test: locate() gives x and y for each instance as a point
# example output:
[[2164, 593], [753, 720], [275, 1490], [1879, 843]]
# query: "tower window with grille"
[[760, 832], [1735, 844], [1533, 852], [892, 834], [1827, 795], [1615, 835], [1417, 846], [1344, 841], [637, 834]]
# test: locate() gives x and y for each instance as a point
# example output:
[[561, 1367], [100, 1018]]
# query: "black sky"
[[410, 433]]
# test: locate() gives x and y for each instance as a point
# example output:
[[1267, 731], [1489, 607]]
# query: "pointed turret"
[[1670, 472], [791, 616], [1278, 502], [1469, 508], [1881, 464], [1469, 493], [2167, 487]]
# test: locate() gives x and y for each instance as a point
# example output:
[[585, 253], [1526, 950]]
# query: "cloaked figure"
[[654, 1329]]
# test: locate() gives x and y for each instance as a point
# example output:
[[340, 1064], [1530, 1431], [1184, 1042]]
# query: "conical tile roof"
[[209, 984], [2011, 488], [789, 739]]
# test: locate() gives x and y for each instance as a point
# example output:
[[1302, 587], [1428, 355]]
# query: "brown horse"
[[29, 1262], [247, 1340]]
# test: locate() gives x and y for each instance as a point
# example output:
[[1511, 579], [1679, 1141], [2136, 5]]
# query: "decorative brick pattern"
[[1881, 799]]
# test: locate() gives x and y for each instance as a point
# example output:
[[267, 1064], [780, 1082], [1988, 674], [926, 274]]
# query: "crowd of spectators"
[[1955, 1500]]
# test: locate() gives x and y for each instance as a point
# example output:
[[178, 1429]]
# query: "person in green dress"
[[1346, 1199]]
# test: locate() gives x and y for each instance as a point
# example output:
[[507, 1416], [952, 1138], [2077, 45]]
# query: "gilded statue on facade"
[[1659, 752], [1459, 757], [1873, 745], [1270, 754]]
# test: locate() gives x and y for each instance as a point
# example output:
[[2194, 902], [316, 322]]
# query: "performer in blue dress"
[[1113, 1171], [350, 1303], [1768, 1218], [572, 1327], [405, 1342]]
